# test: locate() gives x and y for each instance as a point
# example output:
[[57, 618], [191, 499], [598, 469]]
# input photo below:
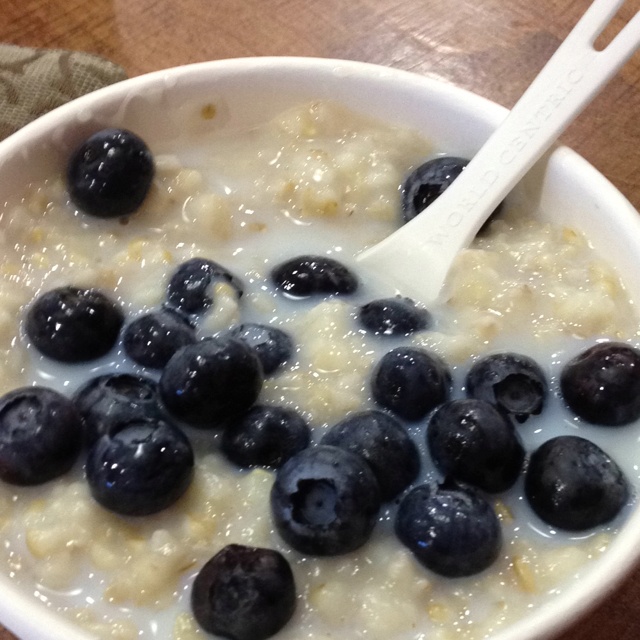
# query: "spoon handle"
[[417, 256]]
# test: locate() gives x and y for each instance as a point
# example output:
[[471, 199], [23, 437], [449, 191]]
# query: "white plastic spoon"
[[417, 257]]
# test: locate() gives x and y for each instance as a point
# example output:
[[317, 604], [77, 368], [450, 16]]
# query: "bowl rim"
[[22, 613]]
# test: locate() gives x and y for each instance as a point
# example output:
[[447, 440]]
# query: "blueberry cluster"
[[324, 502], [570, 483], [139, 460], [327, 496]]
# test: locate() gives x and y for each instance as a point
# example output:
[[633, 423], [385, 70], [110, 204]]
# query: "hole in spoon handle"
[[564, 87], [606, 60], [601, 40]]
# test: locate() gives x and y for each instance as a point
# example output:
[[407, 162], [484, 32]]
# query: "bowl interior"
[[163, 105]]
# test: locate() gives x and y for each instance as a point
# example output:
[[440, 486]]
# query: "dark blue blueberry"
[[73, 325], [425, 183], [384, 443], [265, 436], [273, 346], [40, 435], [572, 484], [305, 276], [191, 287], [472, 441], [428, 181], [451, 529], [244, 593], [410, 382], [207, 383], [513, 382], [110, 174], [142, 469], [602, 384], [393, 316], [325, 501], [109, 402], [151, 339]]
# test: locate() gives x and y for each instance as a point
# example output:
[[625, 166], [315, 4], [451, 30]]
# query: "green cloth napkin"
[[34, 81]]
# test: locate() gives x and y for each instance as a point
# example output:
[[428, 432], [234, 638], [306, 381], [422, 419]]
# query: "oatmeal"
[[316, 180]]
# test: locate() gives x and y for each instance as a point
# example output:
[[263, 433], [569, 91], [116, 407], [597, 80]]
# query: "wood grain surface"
[[492, 47]]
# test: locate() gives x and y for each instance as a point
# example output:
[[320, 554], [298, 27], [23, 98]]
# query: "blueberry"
[[393, 316], [410, 382], [151, 339], [272, 345], [73, 325], [110, 174], [428, 181], [207, 383], [305, 276], [602, 384], [108, 402], [191, 286], [40, 435], [572, 484], [265, 436], [451, 529], [472, 441], [511, 381], [325, 501], [141, 469], [244, 593], [425, 183], [384, 443]]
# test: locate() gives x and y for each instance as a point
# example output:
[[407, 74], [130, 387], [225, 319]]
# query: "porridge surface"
[[315, 180]]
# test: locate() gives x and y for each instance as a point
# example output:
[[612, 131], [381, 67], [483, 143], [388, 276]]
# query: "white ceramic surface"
[[159, 105]]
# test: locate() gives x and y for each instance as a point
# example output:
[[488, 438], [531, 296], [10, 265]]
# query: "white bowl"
[[250, 90]]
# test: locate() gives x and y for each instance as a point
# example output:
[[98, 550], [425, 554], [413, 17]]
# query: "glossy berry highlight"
[[110, 174]]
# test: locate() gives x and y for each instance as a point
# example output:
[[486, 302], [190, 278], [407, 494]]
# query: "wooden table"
[[491, 47]]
